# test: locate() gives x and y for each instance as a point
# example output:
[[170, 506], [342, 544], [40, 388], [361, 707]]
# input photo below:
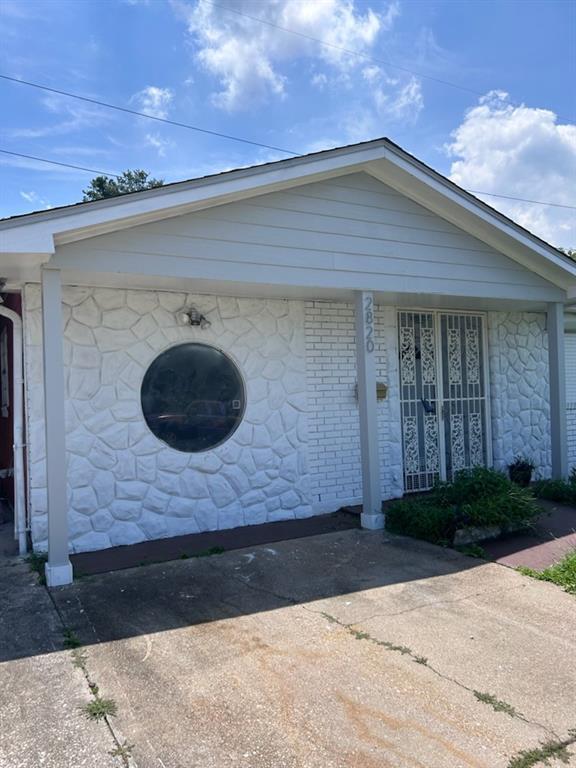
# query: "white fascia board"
[[32, 238], [72, 225], [426, 188]]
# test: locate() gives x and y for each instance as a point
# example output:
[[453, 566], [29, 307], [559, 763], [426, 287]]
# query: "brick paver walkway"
[[553, 537]]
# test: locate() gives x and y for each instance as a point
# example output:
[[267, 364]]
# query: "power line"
[[351, 52], [522, 199], [144, 114], [347, 51], [56, 162], [117, 175]]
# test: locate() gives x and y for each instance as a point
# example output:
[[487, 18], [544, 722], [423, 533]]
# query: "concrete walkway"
[[347, 650], [551, 539], [41, 692]]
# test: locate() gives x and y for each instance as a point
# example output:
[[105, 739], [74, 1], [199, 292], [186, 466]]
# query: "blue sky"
[[512, 132]]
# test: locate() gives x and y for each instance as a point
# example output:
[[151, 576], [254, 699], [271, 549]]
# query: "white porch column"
[[372, 516], [557, 364], [58, 567]]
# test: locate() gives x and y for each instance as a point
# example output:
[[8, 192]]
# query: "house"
[[275, 342]]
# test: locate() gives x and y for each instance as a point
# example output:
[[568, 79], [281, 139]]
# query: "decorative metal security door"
[[442, 396], [464, 407]]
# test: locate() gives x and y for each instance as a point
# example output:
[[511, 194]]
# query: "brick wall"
[[333, 431]]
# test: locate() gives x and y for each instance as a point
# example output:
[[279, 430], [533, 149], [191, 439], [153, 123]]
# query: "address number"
[[369, 323]]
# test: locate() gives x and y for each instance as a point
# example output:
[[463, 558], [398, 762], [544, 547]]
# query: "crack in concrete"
[[441, 602], [362, 635], [119, 747]]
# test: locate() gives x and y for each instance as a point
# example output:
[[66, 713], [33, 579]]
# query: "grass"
[[496, 704], [37, 562], [473, 550], [562, 573], [549, 750], [71, 639]]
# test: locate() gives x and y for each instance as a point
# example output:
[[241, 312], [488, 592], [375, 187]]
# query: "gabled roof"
[[40, 232]]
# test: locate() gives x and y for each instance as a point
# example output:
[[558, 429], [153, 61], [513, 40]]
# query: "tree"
[[571, 252], [129, 181]]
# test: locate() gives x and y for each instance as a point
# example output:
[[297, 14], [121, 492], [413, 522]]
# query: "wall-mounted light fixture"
[[192, 316]]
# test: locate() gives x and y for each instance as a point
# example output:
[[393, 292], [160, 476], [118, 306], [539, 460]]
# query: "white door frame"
[[20, 529], [437, 315]]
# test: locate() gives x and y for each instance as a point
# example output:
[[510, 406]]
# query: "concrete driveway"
[[348, 649]]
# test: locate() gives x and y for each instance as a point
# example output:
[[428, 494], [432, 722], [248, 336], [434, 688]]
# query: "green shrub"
[[471, 485], [421, 519], [507, 508], [557, 490], [477, 498]]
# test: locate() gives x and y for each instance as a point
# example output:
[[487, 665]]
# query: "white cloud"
[[158, 143], [319, 80], [247, 56], [154, 101], [393, 98], [76, 116], [35, 199], [522, 152]]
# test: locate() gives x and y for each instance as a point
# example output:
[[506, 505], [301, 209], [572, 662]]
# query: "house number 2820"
[[369, 323]]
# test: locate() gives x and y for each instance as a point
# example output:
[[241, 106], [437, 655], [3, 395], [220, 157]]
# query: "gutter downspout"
[[18, 447]]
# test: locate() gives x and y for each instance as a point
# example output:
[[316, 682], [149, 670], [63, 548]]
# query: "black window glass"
[[193, 397]]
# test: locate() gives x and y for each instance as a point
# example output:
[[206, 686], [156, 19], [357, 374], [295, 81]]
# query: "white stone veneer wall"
[[125, 485], [519, 376], [334, 439]]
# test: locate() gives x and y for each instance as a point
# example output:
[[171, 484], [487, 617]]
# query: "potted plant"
[[520, 471]]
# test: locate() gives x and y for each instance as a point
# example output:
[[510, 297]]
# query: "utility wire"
[[117, 175], [144, 114], [522, 199], [335, 47], [56, 162], [351, 52]]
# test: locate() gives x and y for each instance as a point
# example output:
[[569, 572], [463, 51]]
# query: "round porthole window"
[[193, 397]]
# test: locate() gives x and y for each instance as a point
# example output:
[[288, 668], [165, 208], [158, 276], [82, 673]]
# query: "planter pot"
[[520, 476]]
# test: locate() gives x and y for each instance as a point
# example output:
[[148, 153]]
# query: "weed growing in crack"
[[71, 639], [99, 708], [79, 659], [359, 635], [37, 562], [421, 660], [403, 649], [123, 751], [496, 704], [473, 550], [549, 750]]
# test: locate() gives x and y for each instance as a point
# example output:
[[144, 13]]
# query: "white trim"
[[364, 317], [18, 431], [557, 365], [58, 568], [58, 575], [40, 233]]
